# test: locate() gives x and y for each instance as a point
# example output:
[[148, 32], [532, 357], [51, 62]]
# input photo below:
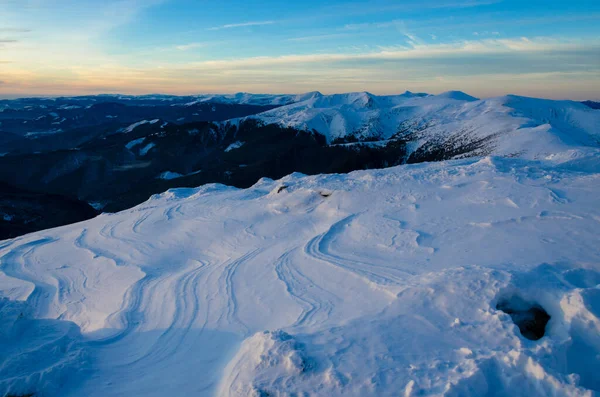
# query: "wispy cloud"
[[14, 30], [373, 25], [320, 37], [366, 8], [242, 25], [484, 21], [66, 19], [190, 46], [455, 50]]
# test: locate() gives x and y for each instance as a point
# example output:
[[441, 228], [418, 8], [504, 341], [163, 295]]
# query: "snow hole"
[[531, 318]]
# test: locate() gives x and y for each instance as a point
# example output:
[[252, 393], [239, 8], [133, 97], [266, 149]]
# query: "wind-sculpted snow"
[[449, 122], [381, 282]]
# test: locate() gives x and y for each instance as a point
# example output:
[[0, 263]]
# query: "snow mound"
[[265, 363], [462, 347], [38, 354], [380, 282]]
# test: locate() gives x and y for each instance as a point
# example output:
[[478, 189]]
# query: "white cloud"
[[190, 46], [319, 37], [242, 25], [489, 46], [14, 30], [366, 8], [541, 66]]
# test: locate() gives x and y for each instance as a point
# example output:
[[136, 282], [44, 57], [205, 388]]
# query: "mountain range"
[[111, 152]]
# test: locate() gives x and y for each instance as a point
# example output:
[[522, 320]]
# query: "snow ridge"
[[503, 126]]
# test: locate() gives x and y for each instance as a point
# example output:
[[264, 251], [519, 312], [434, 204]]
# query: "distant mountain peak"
[[313, 94], [458, 95], [410, 94]]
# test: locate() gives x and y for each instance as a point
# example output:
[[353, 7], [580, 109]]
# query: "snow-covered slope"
[[376, 283], [505, 126]]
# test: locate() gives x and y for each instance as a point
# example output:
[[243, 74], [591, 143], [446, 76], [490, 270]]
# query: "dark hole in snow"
[[281, 188], [263, 393], [530, 318], [325, 194]]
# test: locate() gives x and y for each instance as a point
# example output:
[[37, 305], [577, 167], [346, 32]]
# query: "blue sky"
[[485, 47]]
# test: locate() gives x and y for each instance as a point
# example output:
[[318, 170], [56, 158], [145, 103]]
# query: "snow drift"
[[381, 282]]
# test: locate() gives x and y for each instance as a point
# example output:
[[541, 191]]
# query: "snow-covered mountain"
[[79, 102], [466, 277], [376, 283], [505, 126], [114, 151]]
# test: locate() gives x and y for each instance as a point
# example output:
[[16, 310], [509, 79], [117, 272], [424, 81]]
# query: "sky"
[[487, 48]]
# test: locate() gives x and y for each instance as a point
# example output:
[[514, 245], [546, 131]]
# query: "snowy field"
[[376, 283]]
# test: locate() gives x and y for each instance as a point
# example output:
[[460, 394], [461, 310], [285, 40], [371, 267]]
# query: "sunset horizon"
[[484, 47]]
